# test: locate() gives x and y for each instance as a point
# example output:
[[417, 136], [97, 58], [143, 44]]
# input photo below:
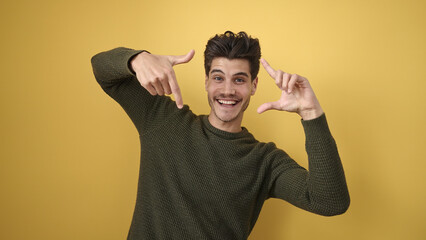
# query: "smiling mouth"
[[227, 102]]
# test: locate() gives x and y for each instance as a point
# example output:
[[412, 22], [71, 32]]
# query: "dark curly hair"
[[233, 46]]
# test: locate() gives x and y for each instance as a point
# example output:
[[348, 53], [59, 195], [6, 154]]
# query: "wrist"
[[311, 113], [135, 59]]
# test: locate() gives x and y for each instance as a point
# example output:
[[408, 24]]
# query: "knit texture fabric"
[[199, 182]]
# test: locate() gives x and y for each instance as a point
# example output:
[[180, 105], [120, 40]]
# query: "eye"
[[217, 78], [240, 80]]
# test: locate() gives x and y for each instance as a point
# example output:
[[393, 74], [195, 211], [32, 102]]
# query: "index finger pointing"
[[175, 90], [268, 68]]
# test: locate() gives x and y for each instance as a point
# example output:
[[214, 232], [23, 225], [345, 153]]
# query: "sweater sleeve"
[[322, 189], [112, 72]]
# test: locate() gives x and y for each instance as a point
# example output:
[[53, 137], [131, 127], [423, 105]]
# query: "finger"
[[145, 84], [176, 91], [279, 78], [268, 106], [166, 86], [150, 89], [268, 68], [159, 79], [286, 79], [182, 58], [158, 88], [292, 82]]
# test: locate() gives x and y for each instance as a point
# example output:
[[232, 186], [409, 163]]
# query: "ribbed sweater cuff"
[[130, 57], [316, 128], [124, 59], [111, 66]]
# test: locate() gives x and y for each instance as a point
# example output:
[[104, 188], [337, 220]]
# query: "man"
[[206, 177]]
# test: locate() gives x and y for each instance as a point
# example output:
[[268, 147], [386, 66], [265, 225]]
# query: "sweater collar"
[[223, 134]]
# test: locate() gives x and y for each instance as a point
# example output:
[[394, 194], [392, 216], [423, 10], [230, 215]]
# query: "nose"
[[229, 88]]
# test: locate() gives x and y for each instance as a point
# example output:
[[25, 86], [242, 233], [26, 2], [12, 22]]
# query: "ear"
[[254, 86], [205, 82]]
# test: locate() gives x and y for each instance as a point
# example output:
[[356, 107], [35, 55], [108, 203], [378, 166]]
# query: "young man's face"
[[229, 88]]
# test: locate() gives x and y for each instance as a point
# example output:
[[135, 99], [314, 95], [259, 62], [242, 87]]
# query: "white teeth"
[[226, 102]]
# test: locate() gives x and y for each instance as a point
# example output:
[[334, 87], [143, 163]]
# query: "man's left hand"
[[296, 94]]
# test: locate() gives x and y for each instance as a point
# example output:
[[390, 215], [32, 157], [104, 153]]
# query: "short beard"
[[243, 109]]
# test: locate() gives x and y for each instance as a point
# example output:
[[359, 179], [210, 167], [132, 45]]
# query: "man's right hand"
[[156, 74]]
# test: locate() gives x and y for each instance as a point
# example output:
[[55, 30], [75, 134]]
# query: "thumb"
[[182, 58], [267, 106]]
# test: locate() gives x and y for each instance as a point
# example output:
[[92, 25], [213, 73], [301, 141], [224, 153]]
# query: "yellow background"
[[70, 155]]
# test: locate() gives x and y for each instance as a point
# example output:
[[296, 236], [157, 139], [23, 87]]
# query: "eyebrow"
[[241, 73], [217, 70], [236, 74]]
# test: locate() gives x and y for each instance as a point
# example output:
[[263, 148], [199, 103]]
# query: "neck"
[[232, 126]]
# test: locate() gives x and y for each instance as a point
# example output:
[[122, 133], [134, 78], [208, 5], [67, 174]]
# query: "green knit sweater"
[[199, 182]]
